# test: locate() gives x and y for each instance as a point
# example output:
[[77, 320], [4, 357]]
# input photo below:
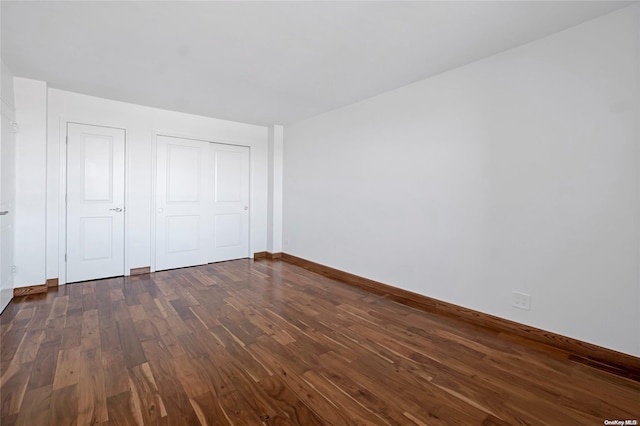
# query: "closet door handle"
[[4, 213], [117, 209]]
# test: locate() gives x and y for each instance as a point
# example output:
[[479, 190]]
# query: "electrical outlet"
[[521, 300], [286, 242], [14, 269]]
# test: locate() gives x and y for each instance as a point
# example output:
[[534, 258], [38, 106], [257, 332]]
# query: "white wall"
[[6, 85], [516, 172], [140, 123], [31, 167], [276, 146]]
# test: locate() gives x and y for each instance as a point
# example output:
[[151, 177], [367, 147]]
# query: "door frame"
[[8, 111], [154, 178], [62, 195]]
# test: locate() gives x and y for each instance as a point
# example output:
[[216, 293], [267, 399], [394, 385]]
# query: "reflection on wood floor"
[[250, 343]]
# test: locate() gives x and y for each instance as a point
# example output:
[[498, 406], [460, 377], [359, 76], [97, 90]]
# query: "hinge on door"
[[14, 127], [65, 257]]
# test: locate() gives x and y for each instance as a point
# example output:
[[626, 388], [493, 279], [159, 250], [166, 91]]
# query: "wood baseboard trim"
[[140, 271], [31, 289], [585, 353], [52, 282], [267, 255]]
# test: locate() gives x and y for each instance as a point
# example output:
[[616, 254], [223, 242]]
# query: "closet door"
[[183, 202], [202, 202], [230, 202]]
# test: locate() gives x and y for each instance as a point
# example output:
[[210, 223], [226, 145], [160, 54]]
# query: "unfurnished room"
[[319, 213]]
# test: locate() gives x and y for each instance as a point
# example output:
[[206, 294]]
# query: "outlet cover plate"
[[521, 300]]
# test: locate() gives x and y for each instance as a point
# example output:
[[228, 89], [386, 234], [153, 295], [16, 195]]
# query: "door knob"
[[160, 210], [117, 209], [246, 207]]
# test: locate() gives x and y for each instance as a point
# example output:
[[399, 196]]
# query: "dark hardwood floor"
[[250, 343]]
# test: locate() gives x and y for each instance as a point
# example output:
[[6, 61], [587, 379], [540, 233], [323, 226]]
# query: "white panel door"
[[7, 205], [183, 203], [95, 202], [230, 202]]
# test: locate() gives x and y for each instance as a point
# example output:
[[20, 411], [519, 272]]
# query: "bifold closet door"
[[230, 202], [202, 201], [95, 202], [183, 202]]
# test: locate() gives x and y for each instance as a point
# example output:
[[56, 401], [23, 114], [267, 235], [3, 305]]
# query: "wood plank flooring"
[[269, 343]]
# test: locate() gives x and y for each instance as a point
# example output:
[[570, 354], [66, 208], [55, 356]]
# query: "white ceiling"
[[264, 62]]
